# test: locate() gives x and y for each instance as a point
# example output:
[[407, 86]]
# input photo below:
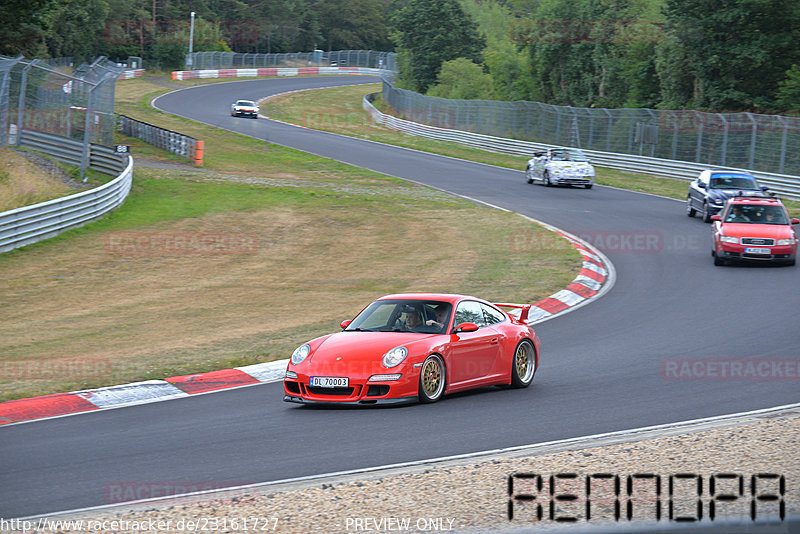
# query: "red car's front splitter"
[[397, 400]]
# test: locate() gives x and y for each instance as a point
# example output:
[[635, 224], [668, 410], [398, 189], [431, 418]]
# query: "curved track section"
[[604, 366]]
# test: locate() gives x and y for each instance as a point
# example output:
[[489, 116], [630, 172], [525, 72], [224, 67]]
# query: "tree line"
[[738, 55], [158, 30], [671, 54]]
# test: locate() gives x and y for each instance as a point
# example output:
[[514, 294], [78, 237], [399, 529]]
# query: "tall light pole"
[[191, 40]]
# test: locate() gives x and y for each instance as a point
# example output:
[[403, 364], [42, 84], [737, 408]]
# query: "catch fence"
[[768, 143], [317, 58], [56, 99]]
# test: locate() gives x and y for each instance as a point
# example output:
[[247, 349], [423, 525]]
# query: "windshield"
[[568, 154], [401, 315], [733, 181], [245, 103], [756, 215]]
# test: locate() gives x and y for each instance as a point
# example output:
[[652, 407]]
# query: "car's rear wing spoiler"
[[521, 315]]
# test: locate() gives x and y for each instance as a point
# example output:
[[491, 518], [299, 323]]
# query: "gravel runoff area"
[[474, 494]]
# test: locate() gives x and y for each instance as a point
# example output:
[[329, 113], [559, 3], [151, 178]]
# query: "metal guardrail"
[[174, 142], [29, 224], [101, 158], [788, 186]]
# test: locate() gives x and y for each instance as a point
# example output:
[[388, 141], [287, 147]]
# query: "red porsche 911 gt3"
[[415, 346]]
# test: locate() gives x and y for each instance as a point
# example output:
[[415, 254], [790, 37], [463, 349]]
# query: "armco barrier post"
[[198, 153]]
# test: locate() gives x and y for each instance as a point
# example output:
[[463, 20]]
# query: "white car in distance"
[[244, 108], [560, 166]]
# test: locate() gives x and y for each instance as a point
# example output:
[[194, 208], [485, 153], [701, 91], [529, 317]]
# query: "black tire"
[[523, 365], [706, 214], [432, 379], [546, 179], [718, 261], [690, 211], [588, 186], [528, 175]]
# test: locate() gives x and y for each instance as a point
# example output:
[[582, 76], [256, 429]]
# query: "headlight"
[[395, 357], [300, 353], [728, 239], [789, 241], [291, 374], [717, 200]]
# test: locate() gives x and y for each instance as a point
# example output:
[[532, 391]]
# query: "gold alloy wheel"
[[431, 377], [523, 361]]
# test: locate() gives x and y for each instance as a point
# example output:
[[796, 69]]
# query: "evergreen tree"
[[431, 32], [737, 52]]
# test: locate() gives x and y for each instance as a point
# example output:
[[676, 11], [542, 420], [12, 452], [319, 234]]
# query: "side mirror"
[[795, 220], [466, 327], [764, 188], [716, 217], [701, 185], [345, 324]]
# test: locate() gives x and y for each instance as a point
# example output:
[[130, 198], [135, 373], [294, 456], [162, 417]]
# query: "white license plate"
[[753, 250], [329, 382]]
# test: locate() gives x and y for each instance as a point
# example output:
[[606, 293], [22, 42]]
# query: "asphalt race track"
[[603, 366]]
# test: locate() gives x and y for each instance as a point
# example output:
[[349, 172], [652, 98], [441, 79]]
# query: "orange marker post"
[[198, 153]]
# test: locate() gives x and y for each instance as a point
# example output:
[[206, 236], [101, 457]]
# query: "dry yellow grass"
[[22, 183]]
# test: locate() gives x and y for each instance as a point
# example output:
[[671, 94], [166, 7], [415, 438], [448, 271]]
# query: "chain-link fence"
[[768, 143], [317, 58], [55, 99]]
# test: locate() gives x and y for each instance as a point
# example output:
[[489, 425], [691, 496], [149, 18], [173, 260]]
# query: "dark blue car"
[[709, 192]]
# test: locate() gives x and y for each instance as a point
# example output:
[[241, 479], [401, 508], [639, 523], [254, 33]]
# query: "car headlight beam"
[[394, 357]]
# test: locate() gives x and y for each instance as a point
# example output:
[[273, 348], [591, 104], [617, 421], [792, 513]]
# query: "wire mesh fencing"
[[768, 143], [54, 98], [316, 58]]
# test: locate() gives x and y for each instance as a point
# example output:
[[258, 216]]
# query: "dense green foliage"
[[158, 30], [430, 32], [462, 79], [671, 54], [735, 56]]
